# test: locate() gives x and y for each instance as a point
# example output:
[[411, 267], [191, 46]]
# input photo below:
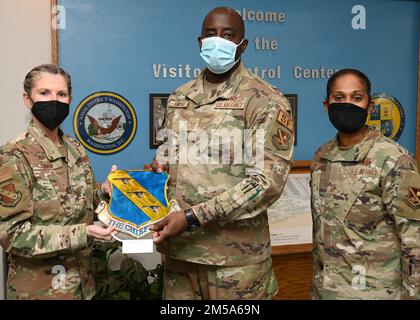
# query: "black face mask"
[[347, 117], [50, 113]]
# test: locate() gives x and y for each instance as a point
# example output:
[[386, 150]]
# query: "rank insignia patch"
[[285, 120], [413, 198]]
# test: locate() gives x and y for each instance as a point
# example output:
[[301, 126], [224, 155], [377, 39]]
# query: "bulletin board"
[[137, 48]]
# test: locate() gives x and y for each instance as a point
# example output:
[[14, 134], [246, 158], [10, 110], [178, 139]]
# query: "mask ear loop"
[[237, 49], [30, 99]]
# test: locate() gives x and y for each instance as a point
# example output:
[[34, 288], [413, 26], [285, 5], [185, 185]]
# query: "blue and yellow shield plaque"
[[138, 199]]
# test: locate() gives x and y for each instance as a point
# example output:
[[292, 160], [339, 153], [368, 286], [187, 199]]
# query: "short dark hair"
[[343, 72]]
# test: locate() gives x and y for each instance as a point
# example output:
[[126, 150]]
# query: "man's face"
[[224, 25]]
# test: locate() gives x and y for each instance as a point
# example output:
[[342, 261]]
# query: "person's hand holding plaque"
[[155, 166], [171, 226], [106, 186], [97, 231]]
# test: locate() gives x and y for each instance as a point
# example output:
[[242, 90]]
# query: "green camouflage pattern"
[[366, 238], [43, 231], [192, 281], [229, 199]]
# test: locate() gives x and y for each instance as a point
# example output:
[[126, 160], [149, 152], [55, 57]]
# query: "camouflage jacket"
[[46, 201], [229, 196], [366, 219]]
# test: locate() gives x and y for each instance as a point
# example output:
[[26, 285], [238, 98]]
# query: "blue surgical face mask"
[[219, 54]]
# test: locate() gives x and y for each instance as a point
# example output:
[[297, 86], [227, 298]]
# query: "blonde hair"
[[35, 73]]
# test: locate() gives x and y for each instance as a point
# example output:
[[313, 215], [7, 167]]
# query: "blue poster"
[[133, 48]]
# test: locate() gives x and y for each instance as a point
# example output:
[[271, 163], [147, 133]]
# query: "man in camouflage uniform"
[[366, 214], [46, 202], [227, 254]]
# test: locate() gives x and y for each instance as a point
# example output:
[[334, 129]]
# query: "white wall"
[[25, 41], [25, 35]]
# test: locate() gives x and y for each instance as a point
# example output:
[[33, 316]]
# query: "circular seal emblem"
[[387, 114], [105, 122]]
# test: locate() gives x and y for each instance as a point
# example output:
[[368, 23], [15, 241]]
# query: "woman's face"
[[351, 89], [48, 87]]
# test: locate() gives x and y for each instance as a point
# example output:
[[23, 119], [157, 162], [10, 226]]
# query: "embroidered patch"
[[370, 172], [230, 104], [9, 197], [281, 140], [285, 120], [413, 197]]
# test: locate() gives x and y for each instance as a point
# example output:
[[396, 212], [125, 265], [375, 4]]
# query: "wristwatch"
[[192, 220]]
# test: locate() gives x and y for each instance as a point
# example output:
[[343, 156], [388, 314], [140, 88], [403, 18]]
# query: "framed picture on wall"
[[292, 98], [157, 103]]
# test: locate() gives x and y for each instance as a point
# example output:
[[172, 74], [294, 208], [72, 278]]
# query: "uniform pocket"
[[350, 198], [367, 209], [47, 205]]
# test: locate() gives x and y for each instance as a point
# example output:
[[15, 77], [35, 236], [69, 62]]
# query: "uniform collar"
[[355, 153], [50, 149], [225, 90]]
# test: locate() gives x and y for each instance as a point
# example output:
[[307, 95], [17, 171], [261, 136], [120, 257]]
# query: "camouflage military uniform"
[[229, 199], [366, 216], [46, 201]]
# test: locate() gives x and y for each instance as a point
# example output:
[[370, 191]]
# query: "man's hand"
[[99, 232], [106, 186], [155, 166], [171, 226]]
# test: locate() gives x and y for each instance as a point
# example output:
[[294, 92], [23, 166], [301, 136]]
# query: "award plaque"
[[138, 199]]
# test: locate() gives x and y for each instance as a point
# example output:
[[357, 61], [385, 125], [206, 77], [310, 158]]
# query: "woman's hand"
[[99, 232], [106, 186]]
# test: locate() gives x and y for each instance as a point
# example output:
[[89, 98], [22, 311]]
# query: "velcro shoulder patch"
[[279, 138], [14, 193], [284, 119], [409, 196]]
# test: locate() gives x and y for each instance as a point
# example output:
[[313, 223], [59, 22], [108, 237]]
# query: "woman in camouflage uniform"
[[365, 204], [47, 198]]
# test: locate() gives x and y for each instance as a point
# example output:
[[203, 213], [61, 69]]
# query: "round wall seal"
[[105, 122], [387, 114]]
